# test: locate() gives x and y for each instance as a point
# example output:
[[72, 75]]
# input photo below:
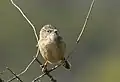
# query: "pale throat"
[[53, 37]]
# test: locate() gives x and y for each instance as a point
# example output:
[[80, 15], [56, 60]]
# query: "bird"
[[52, 47]]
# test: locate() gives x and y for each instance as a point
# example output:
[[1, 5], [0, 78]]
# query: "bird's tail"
[[67, 64]]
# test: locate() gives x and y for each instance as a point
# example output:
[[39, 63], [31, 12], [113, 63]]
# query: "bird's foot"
[[44, 69]]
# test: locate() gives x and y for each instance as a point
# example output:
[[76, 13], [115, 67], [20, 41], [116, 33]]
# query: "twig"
[[86, 20], [83, 28], [38, 61], [33, 27], [14, 74], [11, 79], [20, 10], [46, 72]]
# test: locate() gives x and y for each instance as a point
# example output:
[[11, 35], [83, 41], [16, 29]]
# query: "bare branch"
[[33, 27], [83, 28], [38, 61], [20, 10], [86, 20], [11, 79], [18, 78], [46, 72]]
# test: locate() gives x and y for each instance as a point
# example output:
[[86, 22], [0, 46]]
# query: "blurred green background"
[[97, 58]]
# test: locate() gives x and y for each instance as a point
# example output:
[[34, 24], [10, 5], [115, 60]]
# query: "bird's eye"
[[49, 31]]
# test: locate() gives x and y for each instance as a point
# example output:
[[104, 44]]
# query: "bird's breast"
[[52, 51], [57, 52]]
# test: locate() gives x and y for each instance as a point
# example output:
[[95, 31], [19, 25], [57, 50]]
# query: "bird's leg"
[[44, 67]]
